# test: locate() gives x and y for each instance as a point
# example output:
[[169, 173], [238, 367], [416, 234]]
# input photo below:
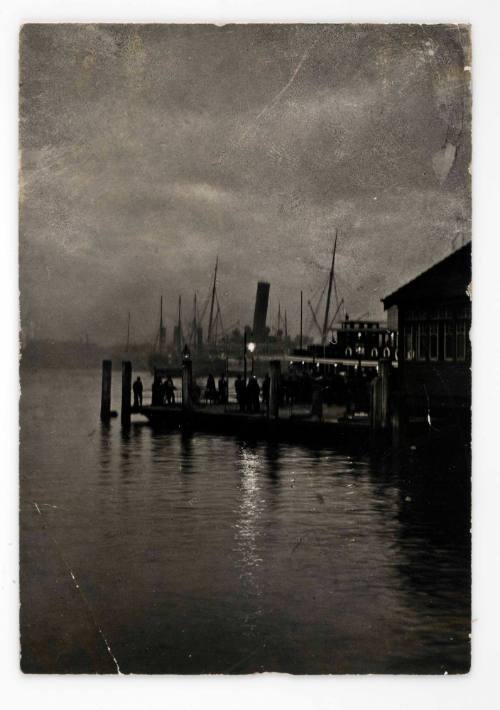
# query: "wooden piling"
[[274, 389], [106, 391], [399, 419], [380, 398], [126, 392]]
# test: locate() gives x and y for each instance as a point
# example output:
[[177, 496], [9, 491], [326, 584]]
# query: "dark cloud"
[[147, 150]]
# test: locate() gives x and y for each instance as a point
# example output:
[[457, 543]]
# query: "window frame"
[[449, 325], [408, 353], [434, 330], [461, 332], [422, 344]]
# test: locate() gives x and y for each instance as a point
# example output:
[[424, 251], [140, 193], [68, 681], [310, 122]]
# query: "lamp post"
[[187, 380], [251, 348]]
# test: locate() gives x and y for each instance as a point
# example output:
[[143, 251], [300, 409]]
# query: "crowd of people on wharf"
[[162, 391], [252, 396]]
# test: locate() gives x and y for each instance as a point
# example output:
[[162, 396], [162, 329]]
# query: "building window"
[[374, 352], [449, 341], [464, 311], [433, 341], [387, 353], [409, 352], [348, 352], [422, 341], [461, 342]]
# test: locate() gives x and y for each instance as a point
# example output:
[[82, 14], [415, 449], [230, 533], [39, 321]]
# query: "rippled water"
[[162, 553]]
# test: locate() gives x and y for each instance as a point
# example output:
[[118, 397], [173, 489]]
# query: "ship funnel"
[[260, 313]]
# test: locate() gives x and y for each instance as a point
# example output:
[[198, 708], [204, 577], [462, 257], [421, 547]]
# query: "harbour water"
[[157, 552]]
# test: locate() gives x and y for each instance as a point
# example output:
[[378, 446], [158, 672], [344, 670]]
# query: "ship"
[[211, 356]]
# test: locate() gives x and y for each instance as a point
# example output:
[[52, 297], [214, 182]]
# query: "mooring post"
[[317, 401], [384, 373], [126, 391], [380, 398], [274, 389], [106, 391], [187, 381]]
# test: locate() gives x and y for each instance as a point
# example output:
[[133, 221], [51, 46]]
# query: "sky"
[[149, 150]]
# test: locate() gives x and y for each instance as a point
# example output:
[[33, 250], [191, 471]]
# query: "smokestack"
[[260, 313]]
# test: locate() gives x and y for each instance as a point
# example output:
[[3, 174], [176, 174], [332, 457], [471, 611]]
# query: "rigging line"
[[78, 588], [321, 296], [335, 315], [205, 304], [212, 300], [329, 295], [219, 312]]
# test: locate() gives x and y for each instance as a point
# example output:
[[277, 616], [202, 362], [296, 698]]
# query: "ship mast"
[[329, 294], [161, 333], [212, 303], [179, 324], [194, 325]]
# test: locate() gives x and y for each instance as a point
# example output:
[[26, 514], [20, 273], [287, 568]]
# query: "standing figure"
[[169, 391], [222, 387], [210, 390], [239, 386], [266, 386], [253, 391], [137, 388]]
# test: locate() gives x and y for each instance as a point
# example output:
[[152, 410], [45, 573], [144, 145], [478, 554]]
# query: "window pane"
[[408, 343], [461, 334], [422, 341], [449, 341], [433, 341]]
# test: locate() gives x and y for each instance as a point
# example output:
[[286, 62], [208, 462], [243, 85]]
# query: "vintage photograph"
[[245, 356]]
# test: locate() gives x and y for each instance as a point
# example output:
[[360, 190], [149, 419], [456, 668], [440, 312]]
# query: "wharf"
[[298, 425]]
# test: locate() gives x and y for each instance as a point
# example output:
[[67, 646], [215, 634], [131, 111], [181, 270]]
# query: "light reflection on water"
[[210, 554], [249, 523]]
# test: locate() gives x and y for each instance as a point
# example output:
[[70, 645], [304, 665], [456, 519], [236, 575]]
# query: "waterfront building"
[[432, 314]]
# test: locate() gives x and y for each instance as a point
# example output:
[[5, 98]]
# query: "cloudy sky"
[[147, 150]]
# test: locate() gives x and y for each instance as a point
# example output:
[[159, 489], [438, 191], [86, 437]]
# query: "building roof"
[[447, 279]]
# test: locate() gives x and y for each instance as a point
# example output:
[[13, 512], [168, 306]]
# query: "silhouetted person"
[[137, 388], [266, 387], [253, 391], [222, 387], [210, 389], [169, 391], [239, 387]]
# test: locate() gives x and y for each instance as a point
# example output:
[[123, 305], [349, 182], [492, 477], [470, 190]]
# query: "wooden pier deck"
[[297, 425]]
